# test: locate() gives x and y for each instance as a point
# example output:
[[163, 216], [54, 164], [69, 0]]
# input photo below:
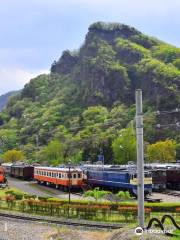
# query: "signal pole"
[[140, 157]]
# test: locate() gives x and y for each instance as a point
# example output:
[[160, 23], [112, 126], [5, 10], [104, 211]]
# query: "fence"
[[109, 213]]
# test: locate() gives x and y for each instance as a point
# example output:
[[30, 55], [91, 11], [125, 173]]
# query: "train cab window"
[[147, 175], [79, 175], [74, 175]]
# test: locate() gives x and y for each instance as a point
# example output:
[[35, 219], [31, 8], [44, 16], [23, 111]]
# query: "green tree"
[[53, 152], [178, 151], [8, 139], [124, 147], [13, 156], [162, 151]]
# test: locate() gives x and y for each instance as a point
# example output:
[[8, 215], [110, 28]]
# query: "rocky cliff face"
[[95, 86], [114, 60]]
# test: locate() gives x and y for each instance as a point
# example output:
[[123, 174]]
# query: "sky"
[[34, 33]]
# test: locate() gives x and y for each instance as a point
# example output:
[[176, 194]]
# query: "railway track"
[[171, 193], [68, 222]]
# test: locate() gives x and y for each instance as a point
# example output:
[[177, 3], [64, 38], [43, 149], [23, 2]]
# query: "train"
[[61, 177], [165, 176], [158, 177], [22, 171], [118, 180], [3, 179]]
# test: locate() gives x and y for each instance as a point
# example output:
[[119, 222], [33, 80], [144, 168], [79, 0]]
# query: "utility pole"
[[140, 157]]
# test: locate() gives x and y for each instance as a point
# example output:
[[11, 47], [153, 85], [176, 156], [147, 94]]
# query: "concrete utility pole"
[[140, 156]]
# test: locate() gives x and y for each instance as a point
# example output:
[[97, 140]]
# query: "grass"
[[3, 191], [177, 232]]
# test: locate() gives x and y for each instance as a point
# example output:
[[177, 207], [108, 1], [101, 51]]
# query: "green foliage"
[[13, 156], [96, 193], [53, 152], [8, 139], [89, 97], [166, 53], [124, 147], [130, 52], [176, 63], [162, 151], [178, 151], [123, 195]]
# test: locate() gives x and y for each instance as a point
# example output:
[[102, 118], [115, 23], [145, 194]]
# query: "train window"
[[74, 175], [79, 175], [50, 174], [147, 175], [59, 175], [62, 176]]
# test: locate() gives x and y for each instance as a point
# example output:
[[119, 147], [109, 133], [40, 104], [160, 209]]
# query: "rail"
[[68, 222], [160, 224]]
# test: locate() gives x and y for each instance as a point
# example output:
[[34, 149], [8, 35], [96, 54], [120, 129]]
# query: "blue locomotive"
[[118, 179]]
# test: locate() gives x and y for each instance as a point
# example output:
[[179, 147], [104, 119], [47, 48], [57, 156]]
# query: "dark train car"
[[22, 171], [159, 179], [173, 178], [7, 168], [118, 180]]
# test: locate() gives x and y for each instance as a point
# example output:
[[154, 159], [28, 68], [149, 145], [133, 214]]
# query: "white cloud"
[[14, 78]]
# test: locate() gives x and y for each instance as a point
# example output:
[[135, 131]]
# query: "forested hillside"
[[4, 99], [81, 107]]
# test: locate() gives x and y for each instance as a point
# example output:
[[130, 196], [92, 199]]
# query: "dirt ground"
[[124, 234]]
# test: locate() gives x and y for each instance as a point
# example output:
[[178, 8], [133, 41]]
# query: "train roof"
[[63, 169], [21, 166], [162, 165], [6, 164]]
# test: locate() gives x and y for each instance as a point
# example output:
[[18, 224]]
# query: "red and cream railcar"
[[61, 177]]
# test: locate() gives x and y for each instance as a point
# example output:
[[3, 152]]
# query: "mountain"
[[89, 94], [4, 99]]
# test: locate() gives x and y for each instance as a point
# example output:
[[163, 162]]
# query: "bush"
[[9, 192], [43, 199], [28, 196], [18, 196]]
